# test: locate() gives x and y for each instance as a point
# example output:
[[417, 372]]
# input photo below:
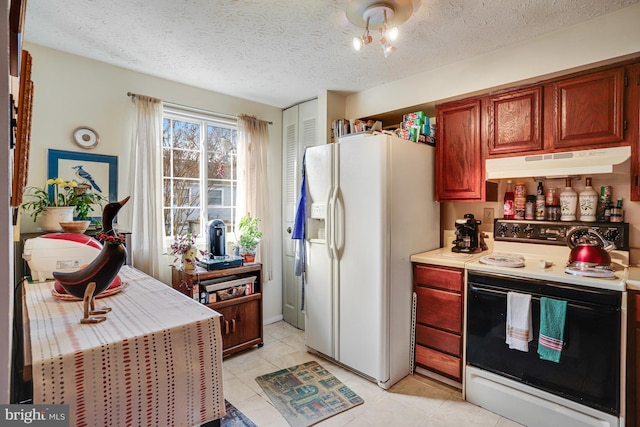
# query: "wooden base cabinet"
[[241, 317], [439, 319], [633, 360]]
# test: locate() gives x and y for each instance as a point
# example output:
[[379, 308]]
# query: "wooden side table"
[[241, 317]]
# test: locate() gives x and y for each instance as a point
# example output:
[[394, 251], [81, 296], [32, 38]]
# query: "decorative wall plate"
[[86, 137]]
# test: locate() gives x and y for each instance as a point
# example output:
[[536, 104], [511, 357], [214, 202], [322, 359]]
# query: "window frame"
[[204, 119]]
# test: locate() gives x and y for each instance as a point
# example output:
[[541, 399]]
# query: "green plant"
[[248, 233], [65, 193], [84, 200]]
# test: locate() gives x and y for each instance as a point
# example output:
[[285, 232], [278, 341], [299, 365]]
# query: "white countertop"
[[445, 257], [633, 278]]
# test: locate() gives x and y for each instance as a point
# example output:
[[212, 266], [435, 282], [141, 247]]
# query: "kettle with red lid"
[[588, 248]]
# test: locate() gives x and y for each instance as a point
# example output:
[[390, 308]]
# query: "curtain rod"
[[195, 109]]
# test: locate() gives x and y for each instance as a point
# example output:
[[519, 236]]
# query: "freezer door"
[[319, 287], [360, 235]]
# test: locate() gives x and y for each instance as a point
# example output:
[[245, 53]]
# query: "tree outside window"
[[199, 172]]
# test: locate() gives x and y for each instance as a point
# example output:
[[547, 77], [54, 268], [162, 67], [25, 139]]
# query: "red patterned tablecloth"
[[156, 360]]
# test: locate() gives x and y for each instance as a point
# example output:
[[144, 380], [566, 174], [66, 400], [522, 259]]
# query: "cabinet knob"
[[226, 327], [233, 325], [289, 230]]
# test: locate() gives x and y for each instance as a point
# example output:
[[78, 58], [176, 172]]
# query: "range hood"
[[555, 165]]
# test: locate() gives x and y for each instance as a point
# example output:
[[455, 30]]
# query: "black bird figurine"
[[96, 277]]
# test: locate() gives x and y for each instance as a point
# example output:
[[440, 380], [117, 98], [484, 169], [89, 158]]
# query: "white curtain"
[[146, 186], [253, 184]]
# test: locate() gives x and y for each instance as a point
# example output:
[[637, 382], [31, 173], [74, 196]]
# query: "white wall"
[[71, 91], [610, 36]]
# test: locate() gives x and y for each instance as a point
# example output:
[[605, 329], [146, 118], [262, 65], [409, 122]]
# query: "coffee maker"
[[217, 240], [468, 237]]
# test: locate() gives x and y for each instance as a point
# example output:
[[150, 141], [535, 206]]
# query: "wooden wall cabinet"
[[439, 327], [632, 106], [589, 109], [515, 121], [241, 317], [459, 157]]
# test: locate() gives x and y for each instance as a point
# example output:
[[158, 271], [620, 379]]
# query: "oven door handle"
[[570, 302]]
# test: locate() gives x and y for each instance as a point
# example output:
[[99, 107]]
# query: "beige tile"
[[235, 391], [261, 412], [461, 413], [413, 401]]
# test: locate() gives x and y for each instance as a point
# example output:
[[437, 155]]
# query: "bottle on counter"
[[568, 202], [508, 212], [519, 200], [607, 212], [588, 202], [552, 204], [605, 200], [616, 211], [530, 207], [540, 208]]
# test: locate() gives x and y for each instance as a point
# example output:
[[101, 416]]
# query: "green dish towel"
[[551, 339]]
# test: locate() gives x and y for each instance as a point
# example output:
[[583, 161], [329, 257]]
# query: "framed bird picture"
[[97, 172]]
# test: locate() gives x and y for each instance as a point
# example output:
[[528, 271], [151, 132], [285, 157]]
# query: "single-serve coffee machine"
[[468, 237]]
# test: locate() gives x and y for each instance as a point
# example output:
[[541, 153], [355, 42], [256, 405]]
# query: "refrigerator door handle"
[[329, 224], [339, 224], [331, 231]]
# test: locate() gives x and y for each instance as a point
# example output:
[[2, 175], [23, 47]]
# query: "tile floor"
[[414, 401]]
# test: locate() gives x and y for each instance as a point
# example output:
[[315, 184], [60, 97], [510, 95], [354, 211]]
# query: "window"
[[198, 171]]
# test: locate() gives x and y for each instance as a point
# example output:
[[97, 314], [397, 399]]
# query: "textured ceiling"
[[281, 52]]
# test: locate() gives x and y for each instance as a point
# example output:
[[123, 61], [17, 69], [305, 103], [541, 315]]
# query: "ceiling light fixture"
[[384, 17]]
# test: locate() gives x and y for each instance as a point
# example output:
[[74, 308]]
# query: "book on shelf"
[[342, 127]]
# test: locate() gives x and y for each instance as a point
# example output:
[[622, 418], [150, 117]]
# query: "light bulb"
[[357, 43], [387, 49], [393, 34]]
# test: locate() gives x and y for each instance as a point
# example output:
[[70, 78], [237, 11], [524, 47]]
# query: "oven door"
[[589, 367]]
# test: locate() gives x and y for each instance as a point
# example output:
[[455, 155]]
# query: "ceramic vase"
[[54, 215], [189, 259]]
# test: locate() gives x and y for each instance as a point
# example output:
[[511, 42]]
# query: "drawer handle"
[[226, 327], [233, 325]]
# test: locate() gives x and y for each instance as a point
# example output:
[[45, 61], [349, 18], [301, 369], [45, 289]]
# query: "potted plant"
[[249, 236], [184, 248], [68, 198]]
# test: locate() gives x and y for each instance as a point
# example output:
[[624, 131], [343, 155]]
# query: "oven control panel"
[[555, 233]]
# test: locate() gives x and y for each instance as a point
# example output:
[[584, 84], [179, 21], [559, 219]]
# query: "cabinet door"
[[515, 121], [589, 109], [459, 159], [632, 106], [240, 323], [439, 277], [441, 309]]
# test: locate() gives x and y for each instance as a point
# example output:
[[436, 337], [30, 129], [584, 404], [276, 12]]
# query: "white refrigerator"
[[372, 205]]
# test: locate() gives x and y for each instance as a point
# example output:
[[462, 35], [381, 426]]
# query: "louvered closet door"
[[300, 130]]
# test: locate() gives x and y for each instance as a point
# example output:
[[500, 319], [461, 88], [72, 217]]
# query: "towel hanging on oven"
[[519, 324], [552, 318]]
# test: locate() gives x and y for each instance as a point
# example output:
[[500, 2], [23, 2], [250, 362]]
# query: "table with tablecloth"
[[156, 360]]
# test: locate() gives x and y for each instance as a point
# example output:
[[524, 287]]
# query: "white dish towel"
[[519, 325]]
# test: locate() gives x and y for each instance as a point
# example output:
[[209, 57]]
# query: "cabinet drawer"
[[440, 340], [439, 308], [441, 363], [439, 277], [636, 305]]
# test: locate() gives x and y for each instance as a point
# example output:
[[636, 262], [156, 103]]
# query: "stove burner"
[[503, 260], [602, 272]]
